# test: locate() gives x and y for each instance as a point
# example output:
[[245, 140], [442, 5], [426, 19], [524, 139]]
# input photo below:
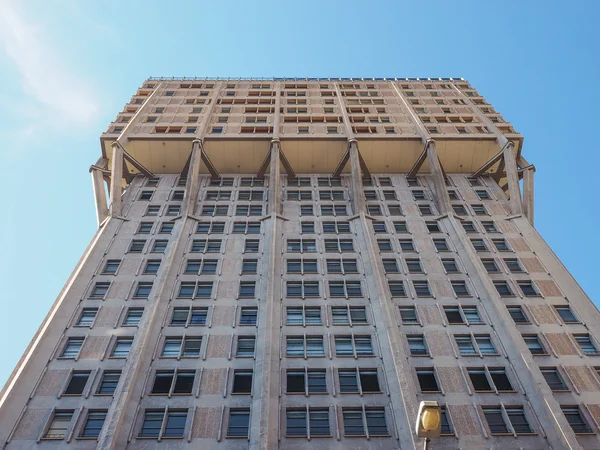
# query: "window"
[[304, 346], [99, 290], [385, 245], [215, 210], [450, 265], [248, 315], [250, 246], [174, 382], [479, 245], [397, 288], [346, 315], [490, 265], [302, 289], [146, 195], [418, 194], [222, 195], [468, 226], [575, 418], [175, 347], [108, 383], [152, 210], [427, 380], [528, 288], [166, 228], [330, 195], [358, 381], [400, 227], [414, 265], [210, 227], [517, 314], [72, 348], [355, 420], [302, 315], [501, 245], [513, 265], [489, 226], [462, 314], [460, 210], [460, 288], [307, 227], [306, 381], [390, 195], [77, 383], [164, 423], [203, 266], [152, 267], [111, 266], [554, 379], [356, 346], [395, 210], [333, 210], [425, 210], [302, 245], [417, 345], [185, 316], [242, 382], [133, 316], [408, 315], [421, 288], [345, 288], [296, 423], [566, 314], [173, 210], [247, 289], [143, 290], [432, 227], [413, 181], [159, 246], [534, 344], [406, 245], [586, 344], [239, 423], [441, 245], [503, 288], [341, 266], [479, 210], [495, 421], [302, 266], [201, 289], [374, 210], [390, 265], [59, 424], [122, 347], [93, 424], [479, 345], [87, 317], [245, 346], [379, 227], [339, 245]]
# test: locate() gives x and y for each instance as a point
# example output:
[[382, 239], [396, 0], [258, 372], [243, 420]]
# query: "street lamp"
[[429, 421]]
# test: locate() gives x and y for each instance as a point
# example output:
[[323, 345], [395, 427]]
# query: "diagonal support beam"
[[363, 166], [209, 165], [116, 184], [420, 160], [286, 164], [186, 167], [488, 164], [338, 170], [135, 163], [263, 167]]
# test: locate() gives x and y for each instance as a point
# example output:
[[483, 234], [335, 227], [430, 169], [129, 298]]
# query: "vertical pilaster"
[[358, 196], [99, 195], [528, 193], [116, 180], [512, 177], [264, 433]]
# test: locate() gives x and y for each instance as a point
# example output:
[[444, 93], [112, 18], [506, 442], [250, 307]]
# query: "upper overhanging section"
[[313, 119]]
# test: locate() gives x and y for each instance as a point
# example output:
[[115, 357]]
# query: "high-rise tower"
[[295, 263]]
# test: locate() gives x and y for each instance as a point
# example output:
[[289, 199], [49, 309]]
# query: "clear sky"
[[67, 68]]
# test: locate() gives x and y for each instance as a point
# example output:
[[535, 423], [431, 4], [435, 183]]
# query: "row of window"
[[304, 422]]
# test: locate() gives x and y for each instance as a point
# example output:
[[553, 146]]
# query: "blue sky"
[[67, 67]]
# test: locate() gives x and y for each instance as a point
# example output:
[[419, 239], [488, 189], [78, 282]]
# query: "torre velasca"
[[298, 263]]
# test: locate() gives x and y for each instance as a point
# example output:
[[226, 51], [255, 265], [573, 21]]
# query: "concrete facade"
[[298, 263]]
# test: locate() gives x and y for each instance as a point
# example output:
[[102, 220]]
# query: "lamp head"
[[429, 419]]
